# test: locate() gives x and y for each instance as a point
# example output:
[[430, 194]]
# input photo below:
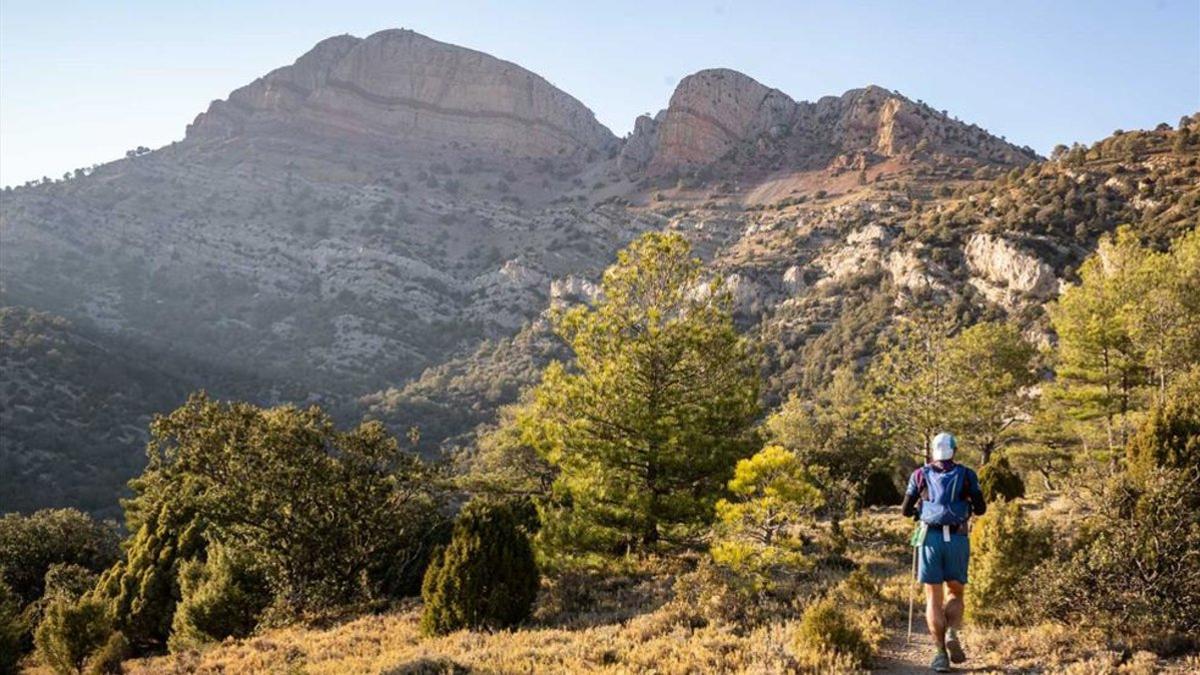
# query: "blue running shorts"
[[942, 561]]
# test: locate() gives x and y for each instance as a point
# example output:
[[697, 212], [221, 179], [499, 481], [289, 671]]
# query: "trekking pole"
[[912, 600], [912, 596]]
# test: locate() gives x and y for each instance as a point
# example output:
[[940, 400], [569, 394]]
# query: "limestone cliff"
[[400, 86]]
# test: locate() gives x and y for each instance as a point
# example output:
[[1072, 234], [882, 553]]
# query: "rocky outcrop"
[[573, 290], [711, 112], [400, 86], [716, 111], [638, 149], [793, 280], [1010, 271]]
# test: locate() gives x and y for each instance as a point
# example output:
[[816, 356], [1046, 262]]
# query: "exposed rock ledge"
[[1002, 264]]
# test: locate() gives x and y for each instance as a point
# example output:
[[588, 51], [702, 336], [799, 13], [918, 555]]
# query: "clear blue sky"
[[81, 82]]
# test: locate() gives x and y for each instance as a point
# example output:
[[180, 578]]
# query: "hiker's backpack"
[[944, 501]]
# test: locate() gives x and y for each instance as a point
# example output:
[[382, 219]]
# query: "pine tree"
[[972, 383], [831, 432], [486, 577], [1099, 365], [993, 369], [647, 423]]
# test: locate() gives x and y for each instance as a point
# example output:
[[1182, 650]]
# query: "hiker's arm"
[[975, 495], [912, 496]]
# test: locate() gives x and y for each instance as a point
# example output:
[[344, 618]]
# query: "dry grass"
[[662, 641]]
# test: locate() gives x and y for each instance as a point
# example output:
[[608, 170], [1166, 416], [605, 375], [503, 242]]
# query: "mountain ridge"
[[408, 279]]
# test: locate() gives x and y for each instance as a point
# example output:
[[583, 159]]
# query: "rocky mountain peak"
[[713, 110], [400, 87], [713, 113]]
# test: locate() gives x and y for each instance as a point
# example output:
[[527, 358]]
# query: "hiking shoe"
[[941, 662], [954, 647]]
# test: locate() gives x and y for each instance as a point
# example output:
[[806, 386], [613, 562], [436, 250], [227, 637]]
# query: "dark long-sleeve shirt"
[[916, 486]]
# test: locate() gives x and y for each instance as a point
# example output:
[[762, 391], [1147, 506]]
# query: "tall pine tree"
[[647, 423]]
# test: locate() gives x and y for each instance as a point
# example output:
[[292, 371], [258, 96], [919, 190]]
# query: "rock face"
[[1005, 267], [397, 85], [571, 290], [714, 112]]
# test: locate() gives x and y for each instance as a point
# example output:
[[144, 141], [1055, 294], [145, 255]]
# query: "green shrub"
[[12, 630], [70, 631], [485, 578], [998, 480], [1005, 548], [219, 598], [1170, 436], [826, 631], [30, 544], [1133, 571], [107, 659], [69, 581], [879, 489]]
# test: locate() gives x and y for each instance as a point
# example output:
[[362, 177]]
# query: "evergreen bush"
[[1170, 436], [71, 631], [998, 480], [1005, 548], [141, 591], [486, 577], [219, 598], [12, 629], [107, 659]]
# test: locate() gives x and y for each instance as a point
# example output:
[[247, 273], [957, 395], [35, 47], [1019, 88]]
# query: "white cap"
[[942, 446]]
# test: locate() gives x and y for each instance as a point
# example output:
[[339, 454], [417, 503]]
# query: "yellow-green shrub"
[[756, 530], [826, 631], [107, 659], [1005, 547], [219, 598]]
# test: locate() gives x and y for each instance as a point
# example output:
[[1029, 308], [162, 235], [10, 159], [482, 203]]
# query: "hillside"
[[818, 275], [381, 226]]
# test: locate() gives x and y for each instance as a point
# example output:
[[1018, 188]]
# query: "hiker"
[[942, 495]]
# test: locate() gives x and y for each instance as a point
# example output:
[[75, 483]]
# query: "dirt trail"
[[898, 657]]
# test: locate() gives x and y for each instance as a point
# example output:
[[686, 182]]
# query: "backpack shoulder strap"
[[960, 481]]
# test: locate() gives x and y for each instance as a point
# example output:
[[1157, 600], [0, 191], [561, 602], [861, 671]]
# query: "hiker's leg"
[[954, 603], [935, 614]]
